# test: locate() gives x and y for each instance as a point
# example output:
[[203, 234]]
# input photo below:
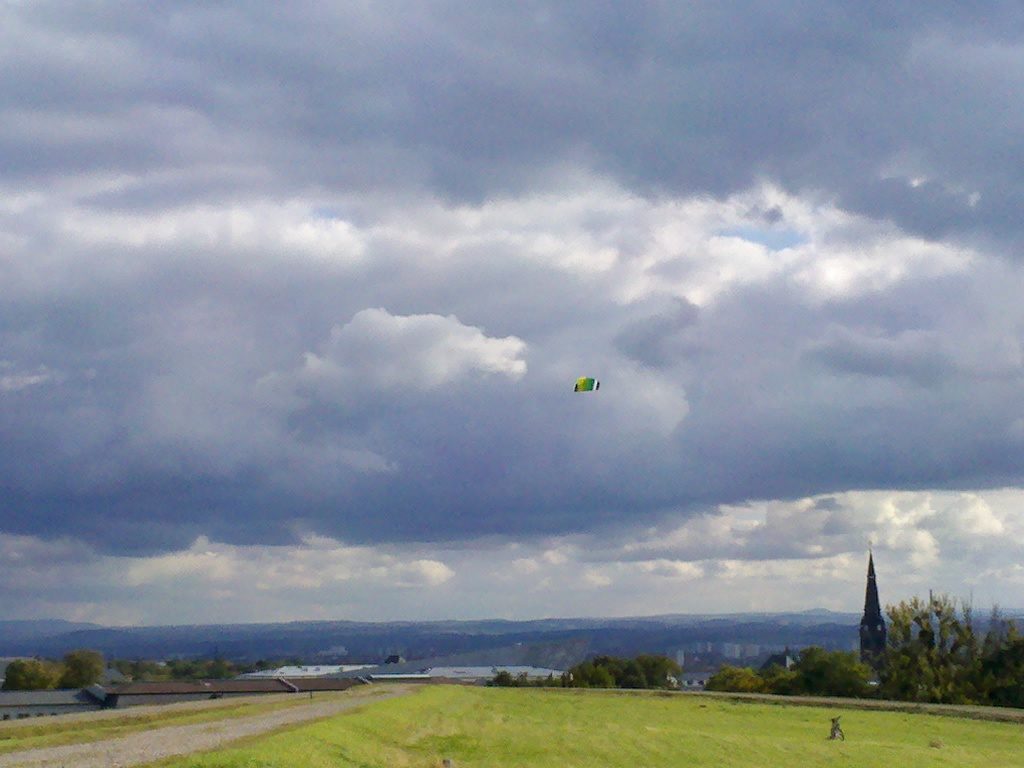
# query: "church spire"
[[872, 625], [871, 605]]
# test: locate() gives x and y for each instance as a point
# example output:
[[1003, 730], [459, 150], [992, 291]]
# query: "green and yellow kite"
[[586, 384]]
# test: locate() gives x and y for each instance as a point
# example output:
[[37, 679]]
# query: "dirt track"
[[158, 743]]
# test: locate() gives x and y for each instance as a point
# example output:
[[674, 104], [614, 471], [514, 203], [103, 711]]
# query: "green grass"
[[78, 729], [588, 729]]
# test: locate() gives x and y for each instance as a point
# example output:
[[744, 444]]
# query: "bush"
[[82, 668], [736, 679], [31, 675]]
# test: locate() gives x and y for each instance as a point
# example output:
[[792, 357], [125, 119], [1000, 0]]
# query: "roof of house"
[[292, 672], [306, 684], [69, 696], [276, 685], [488, 672], [96, 694], [457, 674], [400, 676], [175, 687], [112, 675], [444, 668]]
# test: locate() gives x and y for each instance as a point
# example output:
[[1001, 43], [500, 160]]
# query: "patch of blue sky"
[[773, 239], [326, 212]]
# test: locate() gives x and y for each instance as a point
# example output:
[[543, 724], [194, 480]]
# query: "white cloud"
[[971, 516], [697, 248], [672, 569], [202, 563], [15, 381], [723, 562], [525, 565], [597, 578], [289, 580], [429, 573], [380, 351], [693, 247], [290, 229]]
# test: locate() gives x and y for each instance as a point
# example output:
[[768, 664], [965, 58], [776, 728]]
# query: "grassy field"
[[588, 729], [79, 729]]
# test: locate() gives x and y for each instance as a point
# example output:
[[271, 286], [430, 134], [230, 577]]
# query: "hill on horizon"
[[347, 641]]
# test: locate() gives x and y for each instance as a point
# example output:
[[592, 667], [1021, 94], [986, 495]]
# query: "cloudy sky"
[[292, 299]]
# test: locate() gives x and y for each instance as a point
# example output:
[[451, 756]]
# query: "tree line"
[[182, 669], [644, 671], [77, 669], [816, 672], [84, 667], [935, 652]]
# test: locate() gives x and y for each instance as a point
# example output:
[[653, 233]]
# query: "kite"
[[586, 384]]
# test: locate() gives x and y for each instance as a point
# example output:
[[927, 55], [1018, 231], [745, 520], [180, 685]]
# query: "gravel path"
[[148, 746]]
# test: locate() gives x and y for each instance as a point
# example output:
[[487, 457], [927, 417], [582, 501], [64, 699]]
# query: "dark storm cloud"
[[913, 356], [201, 203], [767, 421], [224, 436], [654, 340], [901, 113]]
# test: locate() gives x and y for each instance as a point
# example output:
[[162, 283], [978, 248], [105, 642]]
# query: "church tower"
[[872, 625]]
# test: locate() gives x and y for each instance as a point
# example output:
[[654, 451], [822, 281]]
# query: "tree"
[[645, 671], [219, 669], [933, 653], [781, 681], [632, 676], [31, 675], [600, 677], [503, 679], [82, 668], [659, 671], [736, 679], [906, 672], [614, 666], [142, 670], [1004, 671], [589, 675], [830, 673]]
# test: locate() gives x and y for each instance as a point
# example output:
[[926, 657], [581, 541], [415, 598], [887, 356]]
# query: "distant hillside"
[[342, 641], [36, 629]]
